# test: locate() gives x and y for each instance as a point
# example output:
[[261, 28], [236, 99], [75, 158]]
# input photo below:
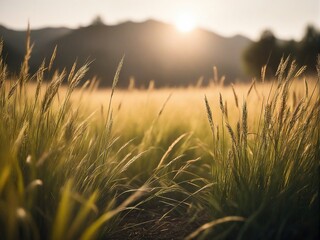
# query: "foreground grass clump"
[[269, 173], [61, 176], [73, 166], [56, 179]]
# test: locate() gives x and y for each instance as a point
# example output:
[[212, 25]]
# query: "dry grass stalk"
[[235, 96]]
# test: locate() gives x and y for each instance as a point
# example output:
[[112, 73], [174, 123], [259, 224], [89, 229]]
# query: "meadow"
[[216, 162]]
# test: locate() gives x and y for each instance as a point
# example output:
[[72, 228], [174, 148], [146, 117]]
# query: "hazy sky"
[[286, 18]]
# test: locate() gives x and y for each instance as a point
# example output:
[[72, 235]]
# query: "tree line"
[[269, 50]]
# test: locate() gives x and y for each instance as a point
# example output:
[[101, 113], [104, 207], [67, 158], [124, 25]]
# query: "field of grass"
[[234, 162]]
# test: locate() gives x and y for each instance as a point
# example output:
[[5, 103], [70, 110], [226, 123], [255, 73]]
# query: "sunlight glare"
[[185, 22]]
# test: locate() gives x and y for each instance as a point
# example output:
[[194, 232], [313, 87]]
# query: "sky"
[[287, 19]]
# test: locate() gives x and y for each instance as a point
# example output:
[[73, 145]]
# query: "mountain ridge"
[[154, 51]]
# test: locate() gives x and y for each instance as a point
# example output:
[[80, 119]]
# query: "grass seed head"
[[221, 103], [53, 56], [209, 114], [245, 122]]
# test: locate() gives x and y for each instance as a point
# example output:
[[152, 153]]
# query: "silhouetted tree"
[[289, 48], [97, 21], [265, 51], [309, 48], [268, 50]]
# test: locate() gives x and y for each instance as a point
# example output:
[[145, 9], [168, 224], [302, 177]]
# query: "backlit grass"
[[76, 162]]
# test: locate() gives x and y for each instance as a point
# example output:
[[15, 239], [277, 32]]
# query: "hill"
[[153, 51], [14, 44]]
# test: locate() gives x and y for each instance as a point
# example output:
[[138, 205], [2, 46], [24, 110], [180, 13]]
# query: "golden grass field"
[[218, 162]]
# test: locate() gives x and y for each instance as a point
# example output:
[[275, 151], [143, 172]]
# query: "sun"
[[185, 22]]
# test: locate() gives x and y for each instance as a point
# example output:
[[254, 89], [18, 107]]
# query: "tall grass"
[[74, 166], [54, 167], [269, 173], [64, 173]]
